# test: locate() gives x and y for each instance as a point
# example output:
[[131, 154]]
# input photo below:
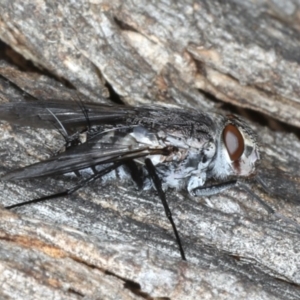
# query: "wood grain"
[[113, 242]]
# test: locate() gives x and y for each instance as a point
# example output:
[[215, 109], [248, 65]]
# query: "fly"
[[156, 148]]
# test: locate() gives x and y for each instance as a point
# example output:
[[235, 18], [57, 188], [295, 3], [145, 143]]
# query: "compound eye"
[[234, 142]]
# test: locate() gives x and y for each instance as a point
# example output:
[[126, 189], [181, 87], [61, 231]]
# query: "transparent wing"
[[97, 150], [93, 152], [72, 114]]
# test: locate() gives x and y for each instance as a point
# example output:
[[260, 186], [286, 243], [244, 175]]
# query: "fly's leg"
[[268, 208], [135, 173], [70, 191], [157, 183], [70, 140], [213, 189], [220, 187]]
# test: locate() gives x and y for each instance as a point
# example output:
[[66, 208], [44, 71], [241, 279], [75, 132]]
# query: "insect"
[[156, 148]]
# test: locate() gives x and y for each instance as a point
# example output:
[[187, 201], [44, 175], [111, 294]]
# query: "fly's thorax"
[[237, 149], [186, 168], [188, 159]]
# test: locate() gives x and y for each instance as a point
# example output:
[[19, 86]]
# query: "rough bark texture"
[[112, 242]]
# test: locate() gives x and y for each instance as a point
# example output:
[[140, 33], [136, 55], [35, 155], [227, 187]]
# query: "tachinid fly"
[[156, 148]]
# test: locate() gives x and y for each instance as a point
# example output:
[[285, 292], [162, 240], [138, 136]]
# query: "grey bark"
[[113, 242]]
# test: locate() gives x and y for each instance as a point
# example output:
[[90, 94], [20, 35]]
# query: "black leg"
[[157, 183], [217, 188], [135, 172], [213, 189], [268, 208], [80, 184]]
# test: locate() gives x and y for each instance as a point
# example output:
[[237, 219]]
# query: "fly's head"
[[238, 151]]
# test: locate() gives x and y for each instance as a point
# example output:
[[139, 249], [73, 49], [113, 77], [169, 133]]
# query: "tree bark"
[[113, 242]]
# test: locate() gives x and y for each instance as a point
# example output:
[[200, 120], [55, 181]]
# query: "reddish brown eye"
[[234, 142]]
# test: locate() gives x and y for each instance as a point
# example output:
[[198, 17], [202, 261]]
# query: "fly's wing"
[[93, 152], [73, 114], [96, 151]]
